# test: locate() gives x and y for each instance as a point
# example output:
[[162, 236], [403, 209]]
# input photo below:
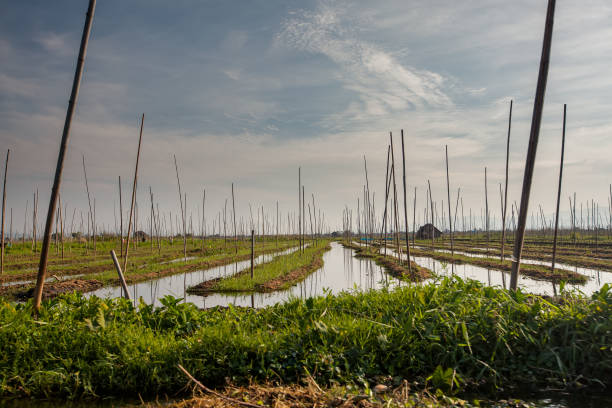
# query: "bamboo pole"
[[299, 231], [505, 202], [414, 216], [387, 186], [450, 219], [178, 181], [42, 268], [395, 219], [405, 205], [133, 202], [554, 254], [120, 273], [234, 211], [61, 222], [93, 229], [8, 153], [252, 253], [120, 219], [486, 211], [433, 228], [533, 143]]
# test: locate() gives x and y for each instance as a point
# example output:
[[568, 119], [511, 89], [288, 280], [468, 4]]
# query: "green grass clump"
[[451, 334], [282, 272]]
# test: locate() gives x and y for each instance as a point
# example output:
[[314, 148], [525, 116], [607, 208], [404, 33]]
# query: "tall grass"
[[450, 334]]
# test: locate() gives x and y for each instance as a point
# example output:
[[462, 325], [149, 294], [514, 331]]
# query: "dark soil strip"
[[392, 265]]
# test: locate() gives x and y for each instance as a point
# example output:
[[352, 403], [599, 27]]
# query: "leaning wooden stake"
[[129, 231], [554, 254], [42, 267], [120, 273], [533, 144], [8, 153]]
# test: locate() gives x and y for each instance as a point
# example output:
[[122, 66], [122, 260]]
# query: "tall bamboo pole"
[[120, 218], [93, 229], [234, 210], [387, 186], [405, 205], [133, 202], [533, 143], [554, 254], [505, 203], [450, 218], [8, 153], [178, 181], [42, 268], [395, 219], [486, 211]]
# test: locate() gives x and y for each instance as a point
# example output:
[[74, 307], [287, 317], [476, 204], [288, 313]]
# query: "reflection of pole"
[[42, 267], [533, 144]]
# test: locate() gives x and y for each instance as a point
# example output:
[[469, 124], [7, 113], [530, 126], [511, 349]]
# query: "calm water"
[[597, 278], [341, 271]]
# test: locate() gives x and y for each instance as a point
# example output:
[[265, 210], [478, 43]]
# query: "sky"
[[245, 92]]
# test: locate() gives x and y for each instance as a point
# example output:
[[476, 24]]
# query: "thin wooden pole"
[[405, 205], [433, 228], [414, 216], [395, 219], [387, 187], [300, 207], [252, 253], [178, 181], [486, 211], [8, 153], [134, 185], [554, 254], [234, 211], [450, 218], [533, 143], [42, 268], [93, 229], [505, 203], [120, 218]]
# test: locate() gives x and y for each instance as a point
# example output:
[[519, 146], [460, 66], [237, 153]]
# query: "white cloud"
[[383, 84]]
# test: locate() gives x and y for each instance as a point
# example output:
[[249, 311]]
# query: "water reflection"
[[341, 272]]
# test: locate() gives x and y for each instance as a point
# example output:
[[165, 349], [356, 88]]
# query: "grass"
[[573, 256], [391, 264], [143, 264], [538, 272], [454, 335], [282, 272]]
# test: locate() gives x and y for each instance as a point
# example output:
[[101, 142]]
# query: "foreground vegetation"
[[282, 272], [458, 336]]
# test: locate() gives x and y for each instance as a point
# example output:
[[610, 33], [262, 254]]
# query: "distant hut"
[[141, 236], [427, 231]]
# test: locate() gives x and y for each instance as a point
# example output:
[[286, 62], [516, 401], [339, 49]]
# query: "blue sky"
[[247, 91]]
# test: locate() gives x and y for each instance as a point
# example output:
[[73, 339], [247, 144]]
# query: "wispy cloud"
[[383, 84]]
